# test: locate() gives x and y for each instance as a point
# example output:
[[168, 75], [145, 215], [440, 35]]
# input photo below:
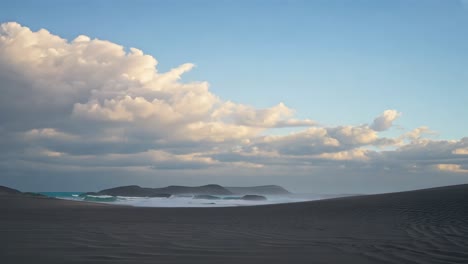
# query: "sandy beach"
[[424, 226]]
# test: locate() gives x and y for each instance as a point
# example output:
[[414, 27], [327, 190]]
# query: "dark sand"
[[426, 226]]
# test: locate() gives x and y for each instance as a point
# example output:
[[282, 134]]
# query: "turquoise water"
[[70, 195], [76, 196]]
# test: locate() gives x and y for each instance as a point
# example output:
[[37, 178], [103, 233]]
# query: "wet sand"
[[424, 226]]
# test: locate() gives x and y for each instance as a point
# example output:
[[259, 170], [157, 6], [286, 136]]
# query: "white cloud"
[[460, 151], [47, 133], [385, 120], [313, 140], [95, 82], [276, 116], [353, 135], [354, 154], [451, 168], [52, 153], [418, 133]]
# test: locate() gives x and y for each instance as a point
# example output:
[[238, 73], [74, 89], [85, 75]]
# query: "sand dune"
[[425, 226]]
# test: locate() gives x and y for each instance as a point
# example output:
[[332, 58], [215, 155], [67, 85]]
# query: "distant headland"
[[210, 189]]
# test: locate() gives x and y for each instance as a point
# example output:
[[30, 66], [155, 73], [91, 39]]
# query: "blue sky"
[[335, 62]]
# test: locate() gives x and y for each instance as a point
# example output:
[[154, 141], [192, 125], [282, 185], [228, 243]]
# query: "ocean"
[[186, 200]]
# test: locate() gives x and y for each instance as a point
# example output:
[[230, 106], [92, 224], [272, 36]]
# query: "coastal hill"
[[210, 189], [137, 191], [8, 191]]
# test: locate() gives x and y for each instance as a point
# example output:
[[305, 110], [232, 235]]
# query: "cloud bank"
[[90, 103]]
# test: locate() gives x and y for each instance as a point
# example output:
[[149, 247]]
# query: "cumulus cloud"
[[276, 116], [314, 140], [98, 84], [354, 154], [353, 135], [385, 120], [47, 133], [460, 151], [418, 133], [93, 103], [451, 168]]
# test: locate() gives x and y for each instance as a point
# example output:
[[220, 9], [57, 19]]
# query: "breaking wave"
[[191, 201]]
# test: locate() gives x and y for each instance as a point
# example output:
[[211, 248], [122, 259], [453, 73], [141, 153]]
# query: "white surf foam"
[[176, 201], [189, 201]]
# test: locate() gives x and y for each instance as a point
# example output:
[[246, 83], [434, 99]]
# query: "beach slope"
[[424, 226]]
